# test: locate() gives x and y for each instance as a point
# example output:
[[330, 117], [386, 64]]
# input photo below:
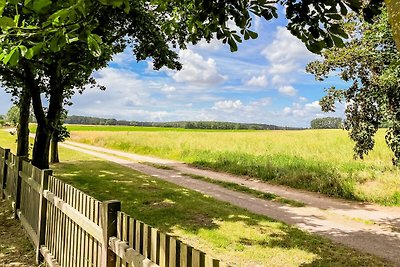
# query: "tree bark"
[[41, 149], [47, 123], [54, 157], [23, 123]]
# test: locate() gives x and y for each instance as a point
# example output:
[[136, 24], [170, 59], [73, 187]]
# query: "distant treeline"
[[217, 125]]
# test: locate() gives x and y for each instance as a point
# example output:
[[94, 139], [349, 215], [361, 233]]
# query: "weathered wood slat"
[[163, 250], [30, 181], [129, 255], [28, 228], [172, 251], [83, 222], [153, 254], [48, 257]]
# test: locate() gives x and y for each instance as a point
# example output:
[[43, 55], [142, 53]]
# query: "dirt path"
[[367, 227]]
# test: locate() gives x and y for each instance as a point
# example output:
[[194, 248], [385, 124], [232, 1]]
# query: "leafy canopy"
[[33, 27], [370, 63]]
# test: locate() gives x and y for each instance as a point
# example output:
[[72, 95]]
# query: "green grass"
[[158, 166], [244, 189], [315, 160], [230, 233]]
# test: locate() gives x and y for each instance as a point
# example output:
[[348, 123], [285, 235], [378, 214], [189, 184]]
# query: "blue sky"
[[264, 82]]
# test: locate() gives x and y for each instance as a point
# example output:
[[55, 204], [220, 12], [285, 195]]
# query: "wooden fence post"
[[109, 214], [4, 172], [44, 185], [18, 180]]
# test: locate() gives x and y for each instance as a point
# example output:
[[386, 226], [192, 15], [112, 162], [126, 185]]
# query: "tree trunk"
[[23, 123], [41, 149], [46, 123], [54, 157]]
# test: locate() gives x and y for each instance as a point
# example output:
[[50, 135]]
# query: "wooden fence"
[[70, 228]]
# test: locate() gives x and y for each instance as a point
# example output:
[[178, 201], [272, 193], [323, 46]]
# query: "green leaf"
[[23, 50], [253, 35], [33, 51], [237, 38], [12, 58], [58, 42], [2, 6], [16, 19], [40, 5], [94, 42], [117, 3], [232, 44], [6, 22], [334, 16], [337, 41], [127, 6]]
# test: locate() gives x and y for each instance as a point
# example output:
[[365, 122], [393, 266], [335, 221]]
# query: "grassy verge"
[[233, 186], [315, 160], [244, 189], [228, 232]]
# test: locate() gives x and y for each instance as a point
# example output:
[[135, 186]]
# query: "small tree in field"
[[327, 123], [13, 115]]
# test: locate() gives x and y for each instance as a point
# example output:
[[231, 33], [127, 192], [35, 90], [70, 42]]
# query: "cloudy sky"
[[264, 82]]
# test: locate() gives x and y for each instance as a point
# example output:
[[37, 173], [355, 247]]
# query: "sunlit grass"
[[230, 233], [316, 160]]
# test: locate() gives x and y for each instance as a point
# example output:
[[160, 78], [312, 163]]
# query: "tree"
[[326, 123], [42, 38], [60, 134], [370, 62], [13, 115]]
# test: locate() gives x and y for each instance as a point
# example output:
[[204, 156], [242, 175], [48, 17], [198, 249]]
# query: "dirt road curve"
[[366, 227]]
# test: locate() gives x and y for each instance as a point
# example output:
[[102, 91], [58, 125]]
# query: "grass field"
[[227, 232], [315, 160]]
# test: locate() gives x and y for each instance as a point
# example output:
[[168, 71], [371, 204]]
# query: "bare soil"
[[366, 227], [15, 248]]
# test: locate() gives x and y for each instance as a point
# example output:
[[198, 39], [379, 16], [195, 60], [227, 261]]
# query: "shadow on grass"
[[230, 232]]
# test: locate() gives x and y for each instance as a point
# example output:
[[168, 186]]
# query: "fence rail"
[[70, 228]]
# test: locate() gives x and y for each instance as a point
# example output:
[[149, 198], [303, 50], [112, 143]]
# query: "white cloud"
[[312, 109], [287, 90], [266, 101], [213, 45], [303, 113], [124, 58], [196, 70], [257, 24], [258, 81], [287, 55], [228, 106], [168, 88], [303, 99]]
